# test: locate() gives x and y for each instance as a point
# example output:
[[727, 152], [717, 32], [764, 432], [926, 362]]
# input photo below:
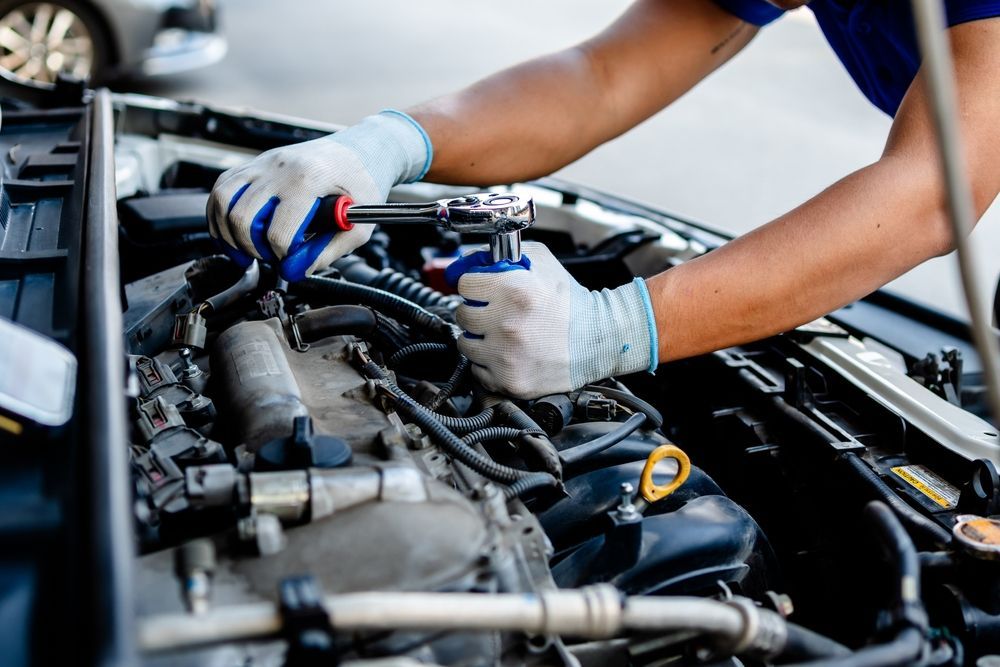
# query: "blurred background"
[[777, 125]]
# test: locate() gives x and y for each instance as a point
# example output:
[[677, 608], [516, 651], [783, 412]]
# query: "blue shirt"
[[874, 39]]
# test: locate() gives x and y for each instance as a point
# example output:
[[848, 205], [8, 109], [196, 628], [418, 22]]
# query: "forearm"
[[849, 240], [537, 117]]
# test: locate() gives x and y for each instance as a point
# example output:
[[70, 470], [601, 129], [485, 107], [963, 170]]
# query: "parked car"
[[104, 39]]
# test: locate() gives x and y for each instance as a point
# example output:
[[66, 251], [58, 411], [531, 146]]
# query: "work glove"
[[530, 329], [264, 208]]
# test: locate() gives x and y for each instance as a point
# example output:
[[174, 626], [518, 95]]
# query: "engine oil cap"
[[979, 536]]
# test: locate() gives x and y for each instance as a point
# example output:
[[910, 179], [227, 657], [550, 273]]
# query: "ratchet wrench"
[[502, 215]]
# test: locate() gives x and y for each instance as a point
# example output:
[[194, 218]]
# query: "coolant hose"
[[905, 649], [411, 313], [630, 401], [804, 644], [908, 608], [597, 445]]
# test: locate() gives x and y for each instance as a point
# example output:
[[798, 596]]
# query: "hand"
[[264, 208], [531, 330]]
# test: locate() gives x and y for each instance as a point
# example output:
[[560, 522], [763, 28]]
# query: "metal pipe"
[[938, 71], [594, 612]]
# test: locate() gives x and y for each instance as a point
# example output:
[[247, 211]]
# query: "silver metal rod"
[[938, 72], [596, 612]]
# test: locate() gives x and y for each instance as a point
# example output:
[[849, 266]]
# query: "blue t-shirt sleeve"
[[963, 11], [757, 12]]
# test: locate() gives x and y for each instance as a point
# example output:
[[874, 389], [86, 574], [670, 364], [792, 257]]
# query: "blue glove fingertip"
[[258, 230], [293, 268]]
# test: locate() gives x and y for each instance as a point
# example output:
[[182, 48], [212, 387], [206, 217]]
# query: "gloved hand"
[[531, 330], [263, 209]]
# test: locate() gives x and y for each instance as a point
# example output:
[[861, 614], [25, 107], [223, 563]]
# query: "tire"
[[39, 39]]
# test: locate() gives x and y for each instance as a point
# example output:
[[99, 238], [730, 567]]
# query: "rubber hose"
[[804, 644], [905, 649], [914, 519], [454, 382], [417, 348], [390, 280], [536, 439], [630, 401], [899, 550], [336, 320], [227, 297], [395, 305], [598, 445]]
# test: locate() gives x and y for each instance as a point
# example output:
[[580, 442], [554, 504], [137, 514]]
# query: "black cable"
[[598, 445], [530, 482], [538, 447], [631, 401], [417, 348], [448, 441], [494, 433], [454, 382], [911, 517]]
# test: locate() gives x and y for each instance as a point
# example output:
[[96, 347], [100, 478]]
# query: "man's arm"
[[849, 240], [537, 117]]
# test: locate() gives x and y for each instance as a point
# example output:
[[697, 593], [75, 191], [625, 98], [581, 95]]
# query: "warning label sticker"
[[928, 483]]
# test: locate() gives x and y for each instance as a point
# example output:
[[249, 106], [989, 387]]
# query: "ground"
[[775, 126]]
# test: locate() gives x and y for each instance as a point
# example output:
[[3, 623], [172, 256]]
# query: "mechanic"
[[530, 329]]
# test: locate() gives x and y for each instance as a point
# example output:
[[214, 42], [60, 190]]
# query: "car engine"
[[315, 477]]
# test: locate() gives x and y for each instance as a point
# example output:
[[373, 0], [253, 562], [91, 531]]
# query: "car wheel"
[[38, 40]]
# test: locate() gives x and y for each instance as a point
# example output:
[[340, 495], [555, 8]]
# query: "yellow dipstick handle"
[[650, 491]]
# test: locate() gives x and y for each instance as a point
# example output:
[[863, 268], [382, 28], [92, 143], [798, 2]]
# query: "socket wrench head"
[[502, 215]]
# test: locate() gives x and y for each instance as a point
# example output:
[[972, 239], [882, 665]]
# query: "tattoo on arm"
[[730, 37]]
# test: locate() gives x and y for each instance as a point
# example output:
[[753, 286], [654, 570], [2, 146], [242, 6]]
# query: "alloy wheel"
[[39, 40]]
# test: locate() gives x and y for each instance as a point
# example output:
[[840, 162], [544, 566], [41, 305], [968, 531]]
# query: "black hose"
[[335, 320], [390, 280], [398, 307], [905, 649], [536, 440], [417, 348], [631, 401], [902, 555], [911, 517], [804, 644], [494, 433], [227, 297], [598, 445], [454, 382], [448, 441]]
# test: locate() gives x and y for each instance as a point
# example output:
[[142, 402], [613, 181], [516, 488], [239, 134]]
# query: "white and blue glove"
[[531, 330], [264, 208]]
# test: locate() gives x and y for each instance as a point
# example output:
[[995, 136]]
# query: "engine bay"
[[314, 477]]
